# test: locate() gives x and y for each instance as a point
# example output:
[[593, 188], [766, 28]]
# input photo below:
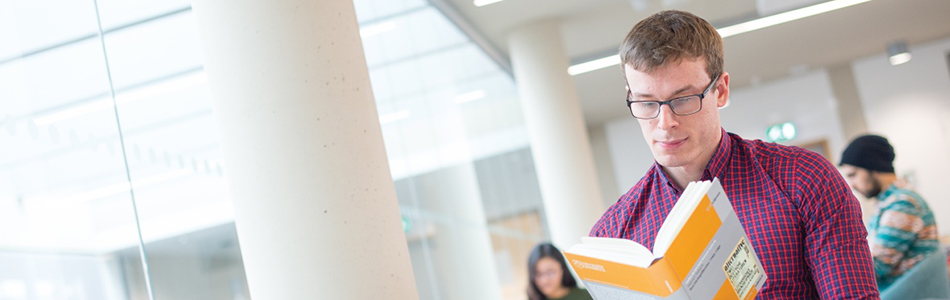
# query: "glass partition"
[[65, 201], [458, 150], [113, 185], [175, 159]]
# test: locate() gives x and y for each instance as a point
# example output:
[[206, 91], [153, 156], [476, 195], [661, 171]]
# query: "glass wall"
[[65, 205], [172, 147], [458, 150], [113, 186], [110, 155]]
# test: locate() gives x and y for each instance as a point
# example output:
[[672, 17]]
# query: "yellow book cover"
[[701, 252]]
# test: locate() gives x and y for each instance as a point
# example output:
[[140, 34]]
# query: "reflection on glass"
[[458, 151], [202, 264], [64, 198], [450, 117], [63, 184], [184, 208]]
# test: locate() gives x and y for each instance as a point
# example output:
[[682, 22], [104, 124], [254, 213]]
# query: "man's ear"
[[876, 175], [722, 97]]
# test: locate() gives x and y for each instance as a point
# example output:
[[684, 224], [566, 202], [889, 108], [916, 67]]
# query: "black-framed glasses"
[[682, 106]]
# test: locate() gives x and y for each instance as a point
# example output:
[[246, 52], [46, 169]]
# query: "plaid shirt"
[[800, 215]]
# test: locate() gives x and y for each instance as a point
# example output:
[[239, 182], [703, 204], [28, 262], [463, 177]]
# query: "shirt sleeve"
[[898, 225], [836, 244], [611, 222]]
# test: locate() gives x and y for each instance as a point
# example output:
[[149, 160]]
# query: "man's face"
[[861, 180], [675, 140]]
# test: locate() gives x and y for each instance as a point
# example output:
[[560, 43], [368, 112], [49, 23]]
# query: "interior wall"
[[508, 184], [441, 228], [204, 265], [806, 100], [629, 152], [910, 105], [513, 237], [604, 164]]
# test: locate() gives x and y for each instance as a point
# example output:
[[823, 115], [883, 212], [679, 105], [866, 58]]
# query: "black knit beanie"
[[871, 152]]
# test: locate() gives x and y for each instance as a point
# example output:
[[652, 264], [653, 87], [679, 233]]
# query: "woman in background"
[[549, 277]]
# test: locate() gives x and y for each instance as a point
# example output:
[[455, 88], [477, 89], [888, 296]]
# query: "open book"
[[701, 251]]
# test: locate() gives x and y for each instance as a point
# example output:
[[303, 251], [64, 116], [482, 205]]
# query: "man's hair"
[[668, 37]]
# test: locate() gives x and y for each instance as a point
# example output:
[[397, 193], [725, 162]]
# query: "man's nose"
[[666, 118]]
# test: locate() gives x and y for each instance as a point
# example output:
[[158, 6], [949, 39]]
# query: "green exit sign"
[[406, 224], [780, 132]]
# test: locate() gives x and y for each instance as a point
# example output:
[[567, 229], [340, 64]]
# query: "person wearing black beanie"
[[873, 155], [902, 231]]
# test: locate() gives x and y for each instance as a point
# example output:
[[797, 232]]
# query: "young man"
[[800, 216], [902, 231]]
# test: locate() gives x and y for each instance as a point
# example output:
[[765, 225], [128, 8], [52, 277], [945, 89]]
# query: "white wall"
[[605, 168], [805, 100], [910, 105], [630, 154]]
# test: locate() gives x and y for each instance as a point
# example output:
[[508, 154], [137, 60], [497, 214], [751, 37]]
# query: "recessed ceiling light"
[[897, 53]]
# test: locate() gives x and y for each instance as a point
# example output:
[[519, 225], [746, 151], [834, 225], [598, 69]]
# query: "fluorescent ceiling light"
[[393, 117], [480, 3], [95, 106], [162, 88], [110, 190], [733, 30], [596, 64], [124, 97], [470, 96], [375, 29], [786, 17], [83, 197]]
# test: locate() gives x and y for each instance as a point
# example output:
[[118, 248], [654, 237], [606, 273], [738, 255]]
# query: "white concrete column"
[[848, 101], [461, 246], [315, 206], [555, 122]]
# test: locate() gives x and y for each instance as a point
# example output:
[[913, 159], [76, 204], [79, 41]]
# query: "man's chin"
[[669, 161]]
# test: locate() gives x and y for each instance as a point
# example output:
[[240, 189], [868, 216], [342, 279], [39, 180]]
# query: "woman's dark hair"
[[541, 251]]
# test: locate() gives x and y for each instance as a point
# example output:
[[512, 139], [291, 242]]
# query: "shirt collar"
[[720, 159], [658, 172], [714, 168], [886, 193]]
